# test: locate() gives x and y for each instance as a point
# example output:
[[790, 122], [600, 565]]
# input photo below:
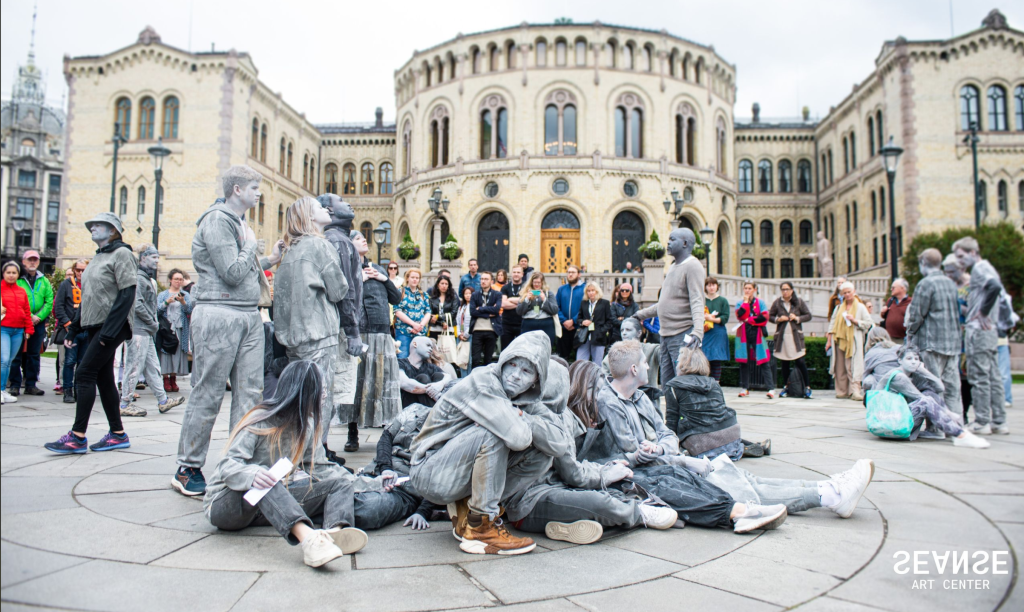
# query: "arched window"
[[878, 128], [747, 268], [280, 218], [348, 179], [288, 173], [312, 173], [439, 133], [685, 132], [171, 107], [629, 57], [767, 233], [856, 216], [847, 209], [259, 218], [560, 219], [495, 58], [853, 150], [560, 123], [122, 209], [510, 55], [387, 178], [803, 176], [486, 133], [331, 178], [140, 206], [871, 137], [1002, 198], [367, 178], [874, 207], [123, 117], [263, 143], [648, 58], [997, 108], [846, 156], [672, 60], [620, 132], [551, 129], [613, 52], [628, 234], [387, 235], [747, 232], [476, 57], [569, 142], [686, 67], [492, 241], [831, 174], [698, 70], [254, 151], [147, 117], [366, 229], [541, 53], [452, 63], [406, 149], [560, 52], [786, 232], [745, 177], [764, 176], [785, 176], [428, 75], [722, 136], [806, 232], [636, 136], [881, 203], [305, 170], [284, 155], [1018, 106], [581, 52]]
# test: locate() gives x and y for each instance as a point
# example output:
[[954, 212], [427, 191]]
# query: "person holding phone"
[[537, 306], [175, 305]]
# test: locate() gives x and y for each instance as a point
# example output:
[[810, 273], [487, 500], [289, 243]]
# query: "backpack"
[[795, 385]]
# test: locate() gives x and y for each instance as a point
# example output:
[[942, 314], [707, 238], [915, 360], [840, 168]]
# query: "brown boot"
[[485, 537], [459, 513], [167, 383], [174, 382]]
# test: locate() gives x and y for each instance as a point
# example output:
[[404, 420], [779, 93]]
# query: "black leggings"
[[716, 370], [800, 365], [96, 369]]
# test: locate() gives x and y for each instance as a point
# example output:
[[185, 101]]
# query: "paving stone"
[[77, 465], [122, 483], [829, 604], [244, 553], [668, 595], [111, 587], [383, 590], [21, 563], [36, 494], [16, 456], [763, 579], [571, 571], [914, 511], [689, 546], [156, 465], [413, 550], [550, 605], [142, 507], [1007, 508], [84, 533]]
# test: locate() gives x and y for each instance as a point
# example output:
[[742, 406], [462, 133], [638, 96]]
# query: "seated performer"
[[488, 438], [634, 430], [419, 378], [631, 329], [695, 409]]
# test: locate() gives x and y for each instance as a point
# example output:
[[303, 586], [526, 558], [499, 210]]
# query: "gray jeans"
[[324, 359], [745, 488], [984, 376], [141, 359], [284, 507], [947, 369], [670, 346], [477, 464], [568, 505], [227, 344]]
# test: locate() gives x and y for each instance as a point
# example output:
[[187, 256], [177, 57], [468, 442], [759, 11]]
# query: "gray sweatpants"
[[141, 359], [745, 488], [324, 358], [568, 505], [984, 376], [477, 464], [670, 346], [227, 344], [947, 369]]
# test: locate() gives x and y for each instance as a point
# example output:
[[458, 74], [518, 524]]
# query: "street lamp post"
[[972, 139], [438, 204], [18, 223], [379, 236], [706, 236], [119, 140], [891, 156], [678, 202], [158, 153]]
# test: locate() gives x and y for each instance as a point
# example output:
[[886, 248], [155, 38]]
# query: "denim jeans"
[[589, 351], [404, 340], [568, 505], [71, 358], [1003, 356], [27, 361], [10, 343]]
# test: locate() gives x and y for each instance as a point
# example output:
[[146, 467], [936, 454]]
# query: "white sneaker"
[[1003, 430], [980, 430], [8, 398], [969, 440], [349, 539], [851, 485], [760, 517], [578, 532], [319, 549], [657, 517]]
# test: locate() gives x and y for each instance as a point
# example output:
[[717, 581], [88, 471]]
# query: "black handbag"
[[581, 337], [166, 339]]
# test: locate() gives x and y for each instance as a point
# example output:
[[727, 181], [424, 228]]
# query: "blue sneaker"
[[68, 444], [189, 481], [111, 441], [807, 393]]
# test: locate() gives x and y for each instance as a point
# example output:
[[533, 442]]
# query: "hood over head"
[[535, 347]]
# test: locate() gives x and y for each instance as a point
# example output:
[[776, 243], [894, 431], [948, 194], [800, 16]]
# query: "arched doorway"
[[492, 242], [627, 236], [685, 222], [559, 241]]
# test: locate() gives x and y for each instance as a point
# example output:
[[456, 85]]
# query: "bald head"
[[680, 243]]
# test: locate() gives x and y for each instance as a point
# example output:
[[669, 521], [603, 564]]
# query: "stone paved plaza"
[[106, 532]]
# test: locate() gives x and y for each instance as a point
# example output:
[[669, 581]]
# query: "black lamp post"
[[379, 236], [972, 139], [890, 157], [158, 153], [706, 236], [675, 206], [18, 223], [438, 202], [119, 140]]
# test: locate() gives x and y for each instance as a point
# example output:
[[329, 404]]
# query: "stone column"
[[654, 276], [435, 252]]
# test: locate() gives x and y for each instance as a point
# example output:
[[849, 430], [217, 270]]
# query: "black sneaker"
[[15, 391], [69, 396], [189, 481], [34, 391], [111, 441]]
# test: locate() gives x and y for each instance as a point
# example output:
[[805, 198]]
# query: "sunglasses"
[[625, 291], [392, 267]]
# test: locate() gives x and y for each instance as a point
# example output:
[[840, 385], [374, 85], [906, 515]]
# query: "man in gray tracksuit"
[[141, 357], [227, 331]]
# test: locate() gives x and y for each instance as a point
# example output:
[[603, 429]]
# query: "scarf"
[[844, 334]]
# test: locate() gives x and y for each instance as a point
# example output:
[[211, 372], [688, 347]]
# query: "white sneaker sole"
[[476, 547], [181, 489], [171, 403], [350, 540], [322, 561], [578, 532], [767, 523], [845, 510]]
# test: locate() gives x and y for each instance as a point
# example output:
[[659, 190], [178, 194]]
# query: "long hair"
[[298, 221], [618, 294], [293, 410], [449, 296], [585, 377], [877, 336], [462, 298], [543, 281]]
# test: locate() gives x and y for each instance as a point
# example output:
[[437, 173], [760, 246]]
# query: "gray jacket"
[[308, 286], [226, 266], [351, 267], [145, 305], [933, 317], [632, 420], [375, 317], [530, 308]]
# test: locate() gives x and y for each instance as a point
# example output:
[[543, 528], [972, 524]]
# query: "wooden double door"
[[559, 249]]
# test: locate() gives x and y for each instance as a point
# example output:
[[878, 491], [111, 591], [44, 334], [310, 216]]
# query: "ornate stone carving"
[[995, 20], [440, 111], [685, 109], [560, 97], [493, 101]]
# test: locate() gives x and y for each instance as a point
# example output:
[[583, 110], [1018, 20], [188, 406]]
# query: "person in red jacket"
[[15, 326]]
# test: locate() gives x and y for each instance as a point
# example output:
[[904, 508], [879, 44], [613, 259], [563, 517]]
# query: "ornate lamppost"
[[158, 153], [891, 157]]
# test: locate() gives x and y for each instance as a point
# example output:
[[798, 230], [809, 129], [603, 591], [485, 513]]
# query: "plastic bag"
[[888, 415]]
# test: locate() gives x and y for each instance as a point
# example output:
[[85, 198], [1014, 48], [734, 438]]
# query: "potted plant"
[[653, 249], [408, 249], [698, 251], [450, 250]]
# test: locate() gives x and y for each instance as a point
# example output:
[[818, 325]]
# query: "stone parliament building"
[[565, 142]]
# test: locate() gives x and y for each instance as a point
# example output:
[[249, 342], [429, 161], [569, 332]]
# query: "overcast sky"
[[335, 60]]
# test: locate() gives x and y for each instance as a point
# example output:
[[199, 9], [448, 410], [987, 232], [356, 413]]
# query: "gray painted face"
[[101, 233], [422, 347], [966, 258], [517, 376], [149, 262], [630, 329], [911, 363], [680, 243], [341, 210]]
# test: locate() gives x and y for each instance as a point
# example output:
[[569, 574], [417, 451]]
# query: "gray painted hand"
[[417, 522]]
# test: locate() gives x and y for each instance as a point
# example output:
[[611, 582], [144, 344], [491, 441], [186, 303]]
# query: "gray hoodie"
[[308, 286], [145, 305], [480, 400], [226, 266]]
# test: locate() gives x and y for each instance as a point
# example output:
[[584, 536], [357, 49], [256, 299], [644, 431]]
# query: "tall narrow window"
[[878, 127], [284, 156], [983, 198], [648, 58], [476, 55], [367, 182], [785, 176], [628, 57], [855, 215], [806, 232], [846, 156], [853, 150], [406, 149], [881, 203], [312, 173], [997, 108], [831, 175], [331, 178], [305, 170], [969, 111], [636, 128], [613, 52], [551, 130], [122, 209], [387, 178], [871, 137], [581, 52], [569, 130], [486, 127], [847, 209], [435, 144], [747, 268], [280, 218], [123, 117], [495, 58], [680, 139], [874, 207], [502, 145], [541, 48], [620, 132], [510, 55], [170, 127], [767, 268], [745, 178], [254, 151], [1020, 196], [259, 218], [803, 176], [288, 173], [767, 232], [747, 232], [786, 268], [764, 176], [786, 232], [147, 117], [691, 141], [1003, 196], [560, 52], [348, 180], [263, 143], [1018, 107], [445, 130]]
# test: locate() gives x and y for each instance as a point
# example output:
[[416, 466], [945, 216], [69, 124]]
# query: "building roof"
[[356, 127]]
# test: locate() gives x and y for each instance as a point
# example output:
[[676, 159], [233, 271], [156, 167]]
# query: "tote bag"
[[888, 415], [446, 342]]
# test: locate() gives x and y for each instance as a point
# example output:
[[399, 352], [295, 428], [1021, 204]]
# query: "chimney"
[[380, 117], [806, 112], [756, 110]]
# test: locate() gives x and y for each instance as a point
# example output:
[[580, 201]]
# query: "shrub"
[[816, 360]]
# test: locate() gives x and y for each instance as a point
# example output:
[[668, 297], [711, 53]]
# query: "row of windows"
[[765, 176], [1002, 198], [785, 268], [27, 179], [140, 203], [997, 120], [876, 141], [25, 239], [768, 232], [25, 208], [146, 125], [286, 155], [366, 184]]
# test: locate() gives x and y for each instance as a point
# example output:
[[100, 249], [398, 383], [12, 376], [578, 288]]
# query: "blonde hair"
[[238, 175], [415, 271], [543, 281], [692, 361], [298, 221], [597, 288], [623, 355]]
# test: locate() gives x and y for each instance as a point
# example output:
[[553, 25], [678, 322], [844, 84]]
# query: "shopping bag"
[[446, 343], [888, 415], [462, 354]]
